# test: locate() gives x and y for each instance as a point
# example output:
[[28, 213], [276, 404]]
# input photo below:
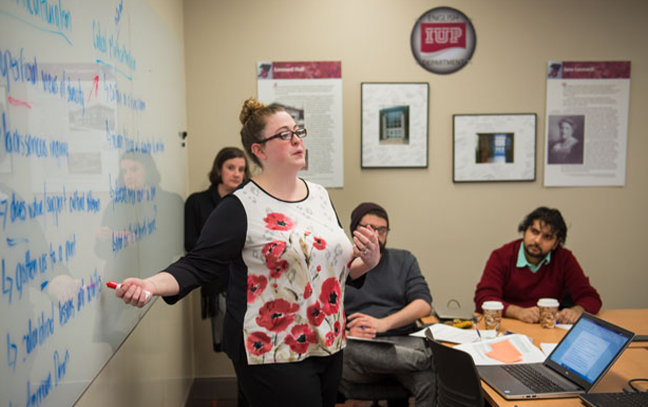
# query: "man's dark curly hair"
[[549, 217]]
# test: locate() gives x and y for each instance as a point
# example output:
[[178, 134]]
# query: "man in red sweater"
[[537, 266]]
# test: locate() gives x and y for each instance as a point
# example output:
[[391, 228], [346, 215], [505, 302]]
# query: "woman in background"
[[230, 168], [284, 326]]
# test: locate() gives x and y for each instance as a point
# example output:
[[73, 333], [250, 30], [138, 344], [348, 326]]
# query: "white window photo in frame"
[[394, 125], [494, 147]]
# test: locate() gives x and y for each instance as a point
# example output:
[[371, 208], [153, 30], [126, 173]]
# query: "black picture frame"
[[494, 147], [394, 124]]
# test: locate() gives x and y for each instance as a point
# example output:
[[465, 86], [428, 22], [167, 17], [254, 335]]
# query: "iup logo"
[[436, 37], [443, 40]]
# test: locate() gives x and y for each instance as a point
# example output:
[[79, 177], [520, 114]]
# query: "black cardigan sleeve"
[[220, 243]]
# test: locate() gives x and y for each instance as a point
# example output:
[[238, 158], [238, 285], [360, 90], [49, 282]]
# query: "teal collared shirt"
[[522, 261]]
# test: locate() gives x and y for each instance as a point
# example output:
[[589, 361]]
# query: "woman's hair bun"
[[250, 106]]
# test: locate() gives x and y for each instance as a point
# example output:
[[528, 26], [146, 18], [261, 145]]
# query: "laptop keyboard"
[[533, 379], [618, 399]]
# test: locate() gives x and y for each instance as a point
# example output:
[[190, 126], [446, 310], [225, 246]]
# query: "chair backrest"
[[458, 383]]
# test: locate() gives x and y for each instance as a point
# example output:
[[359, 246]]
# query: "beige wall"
[[154, 366], [451, 228]]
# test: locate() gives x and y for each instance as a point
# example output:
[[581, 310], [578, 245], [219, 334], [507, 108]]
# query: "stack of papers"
[[448, 333], [505, 352], [506, 349]]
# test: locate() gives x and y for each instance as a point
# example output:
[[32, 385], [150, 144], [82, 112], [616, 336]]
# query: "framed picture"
[[494, 147], [394, 125]]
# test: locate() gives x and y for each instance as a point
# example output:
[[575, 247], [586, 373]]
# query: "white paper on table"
[[547, 348], [448, 333], [566, 327], [478, 350]]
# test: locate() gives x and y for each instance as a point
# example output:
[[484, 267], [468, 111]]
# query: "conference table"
[[633, 363]]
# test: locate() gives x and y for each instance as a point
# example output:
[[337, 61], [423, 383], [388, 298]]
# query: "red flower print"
[[319, 243], [274, 250], [272, 253], [330, 337], [277, 268], [277, 315], [258, 343], [330, 296], [277, 221], [318, 268], [336, 328], [300, 338], [315, 314], [308, 291], [256, 285]]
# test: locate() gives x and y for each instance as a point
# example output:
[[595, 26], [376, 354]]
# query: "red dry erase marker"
[[115, 285]]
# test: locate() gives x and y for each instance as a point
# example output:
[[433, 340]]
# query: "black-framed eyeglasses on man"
[[287, 135], [382, 230]]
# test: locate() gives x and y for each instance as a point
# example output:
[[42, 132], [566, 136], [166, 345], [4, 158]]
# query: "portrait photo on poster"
[[566, 139]]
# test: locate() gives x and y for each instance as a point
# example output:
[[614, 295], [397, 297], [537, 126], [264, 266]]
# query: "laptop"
[[615, 399], [450, 313], [576, 364]]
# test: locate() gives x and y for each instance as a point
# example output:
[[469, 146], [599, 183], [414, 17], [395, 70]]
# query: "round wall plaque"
[[443, 40]]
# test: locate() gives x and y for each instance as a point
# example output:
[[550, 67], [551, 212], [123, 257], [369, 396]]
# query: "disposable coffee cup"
[[548, 310], [492, 314]]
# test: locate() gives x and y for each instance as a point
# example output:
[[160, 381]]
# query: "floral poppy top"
[[286, 289], [297, 255]]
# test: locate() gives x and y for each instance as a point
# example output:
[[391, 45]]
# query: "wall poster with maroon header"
[[312, 93], [587, 123]]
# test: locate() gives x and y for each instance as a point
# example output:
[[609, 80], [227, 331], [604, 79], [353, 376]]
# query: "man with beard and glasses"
[[537, 266], [394, 296]]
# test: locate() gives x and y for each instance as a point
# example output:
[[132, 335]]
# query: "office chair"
[[390, 390], [458, 383]]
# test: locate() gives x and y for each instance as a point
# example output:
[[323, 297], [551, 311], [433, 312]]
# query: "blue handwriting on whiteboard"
[[66, 311], [60, 366], [28, 145], [17, 69], [126, 99], [57, 19], [38, 333], [17, 209], [29, 267], [12, 353], [122, 141], [112, 46], [118, 12], [40, 392], [121, 194], [135, 232]]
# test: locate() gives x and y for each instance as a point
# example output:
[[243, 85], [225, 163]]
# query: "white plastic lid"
[[492, 305], [548, 302]]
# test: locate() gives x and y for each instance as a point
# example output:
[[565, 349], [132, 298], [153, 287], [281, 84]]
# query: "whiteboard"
[[92, 173]]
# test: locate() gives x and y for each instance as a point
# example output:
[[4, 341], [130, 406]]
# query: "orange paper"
[[505, 352]]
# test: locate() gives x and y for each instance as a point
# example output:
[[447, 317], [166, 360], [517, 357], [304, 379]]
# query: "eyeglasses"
[[382, 230], [286, 135]]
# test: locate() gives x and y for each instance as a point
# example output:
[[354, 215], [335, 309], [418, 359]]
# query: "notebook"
[[639, 399], [578, 362]]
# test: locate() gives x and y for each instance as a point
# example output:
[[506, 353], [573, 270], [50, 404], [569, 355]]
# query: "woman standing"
[[230, 168], [284, 327]]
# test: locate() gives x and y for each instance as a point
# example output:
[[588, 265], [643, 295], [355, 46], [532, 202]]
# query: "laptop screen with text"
[[589, 349]]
